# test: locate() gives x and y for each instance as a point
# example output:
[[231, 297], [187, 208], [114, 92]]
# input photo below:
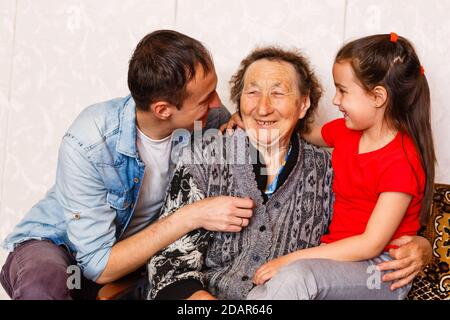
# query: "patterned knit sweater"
[[295, 216]]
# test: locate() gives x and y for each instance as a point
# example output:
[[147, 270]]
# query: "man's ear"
[[305, 103], [380, 94], [162, 109]]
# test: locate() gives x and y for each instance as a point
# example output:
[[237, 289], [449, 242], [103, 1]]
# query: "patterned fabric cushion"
[[434, 283]]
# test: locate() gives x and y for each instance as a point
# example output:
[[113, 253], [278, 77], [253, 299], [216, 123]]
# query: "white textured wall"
[[56, 57]]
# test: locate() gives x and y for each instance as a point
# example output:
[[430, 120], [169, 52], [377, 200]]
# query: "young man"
[[113, 170]]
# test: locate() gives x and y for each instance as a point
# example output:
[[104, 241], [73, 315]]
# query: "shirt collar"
[[126, 141], [258, 164]]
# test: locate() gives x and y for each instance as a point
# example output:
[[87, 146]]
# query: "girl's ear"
[[381, 96]]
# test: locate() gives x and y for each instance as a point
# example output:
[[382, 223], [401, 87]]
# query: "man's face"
[[201, 96]]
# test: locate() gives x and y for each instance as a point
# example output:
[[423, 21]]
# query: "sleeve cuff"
[[180, 290], [96, 264]]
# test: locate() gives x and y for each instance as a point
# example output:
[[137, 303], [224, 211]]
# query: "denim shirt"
[[98, 178]]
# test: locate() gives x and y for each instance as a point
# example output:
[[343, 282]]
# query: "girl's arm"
[[384, 221], [314, 135]]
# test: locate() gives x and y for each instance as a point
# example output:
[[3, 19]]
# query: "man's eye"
[[252, 92], [278, 94]]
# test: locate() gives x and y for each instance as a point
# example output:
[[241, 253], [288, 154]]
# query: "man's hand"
[[413, 254], [223, 213], [235, 121], [201, 295], [269, 269]]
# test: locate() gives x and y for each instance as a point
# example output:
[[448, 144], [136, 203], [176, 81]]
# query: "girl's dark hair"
[[378, 61], [162, 64], [308, 84]]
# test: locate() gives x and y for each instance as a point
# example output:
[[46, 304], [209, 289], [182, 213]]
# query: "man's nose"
[[215, 101]]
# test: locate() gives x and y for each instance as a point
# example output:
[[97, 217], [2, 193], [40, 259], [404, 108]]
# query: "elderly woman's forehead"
[[265, 69]]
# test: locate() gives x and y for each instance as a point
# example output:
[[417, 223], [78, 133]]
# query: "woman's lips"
[[265, 124]]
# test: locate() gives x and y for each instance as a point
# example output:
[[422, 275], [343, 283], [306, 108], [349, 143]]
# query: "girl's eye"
[[278, 93]]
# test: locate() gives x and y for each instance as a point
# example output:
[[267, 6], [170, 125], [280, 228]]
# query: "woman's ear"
[[304, 106], [380, 94]]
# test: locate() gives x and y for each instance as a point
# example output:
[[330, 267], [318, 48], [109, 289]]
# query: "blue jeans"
[[320, 279]]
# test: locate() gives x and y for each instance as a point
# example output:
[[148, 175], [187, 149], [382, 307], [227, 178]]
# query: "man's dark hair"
[[162, 64]]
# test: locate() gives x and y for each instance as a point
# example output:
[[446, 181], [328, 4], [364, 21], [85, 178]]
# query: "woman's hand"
[[269, 269], [411, 256], [235, 121]]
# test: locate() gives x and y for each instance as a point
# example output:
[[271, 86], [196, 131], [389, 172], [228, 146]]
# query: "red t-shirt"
[[360, 178]]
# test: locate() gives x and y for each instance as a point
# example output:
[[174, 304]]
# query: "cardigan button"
[[262, 228], [244, 278], [277, 205]]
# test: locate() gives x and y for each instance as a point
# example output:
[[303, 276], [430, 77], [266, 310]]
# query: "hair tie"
[[394, 37], [422, 70]]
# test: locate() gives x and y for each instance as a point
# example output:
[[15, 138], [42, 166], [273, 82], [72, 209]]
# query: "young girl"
[[383, 161]]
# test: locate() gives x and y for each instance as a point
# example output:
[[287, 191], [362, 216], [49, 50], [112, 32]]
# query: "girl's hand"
[[269, 269], [235, 121], [202, 295]]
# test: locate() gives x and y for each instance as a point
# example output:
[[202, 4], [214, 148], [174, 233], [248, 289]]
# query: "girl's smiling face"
[[359, 107]]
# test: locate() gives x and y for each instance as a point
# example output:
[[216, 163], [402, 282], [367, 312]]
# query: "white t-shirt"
[[156, 155]]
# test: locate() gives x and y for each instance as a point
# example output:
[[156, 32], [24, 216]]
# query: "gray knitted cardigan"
[[295, 216]]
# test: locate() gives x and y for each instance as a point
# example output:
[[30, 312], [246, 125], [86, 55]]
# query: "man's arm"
[[411, 256], [89, 218], [217, 214], [91, 228]]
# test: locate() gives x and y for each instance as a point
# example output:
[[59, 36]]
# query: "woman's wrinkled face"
[[271, 103]]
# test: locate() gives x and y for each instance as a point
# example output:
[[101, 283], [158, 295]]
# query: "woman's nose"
[[264, 106]]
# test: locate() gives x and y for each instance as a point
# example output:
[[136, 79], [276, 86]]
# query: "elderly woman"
[[288, 180]]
